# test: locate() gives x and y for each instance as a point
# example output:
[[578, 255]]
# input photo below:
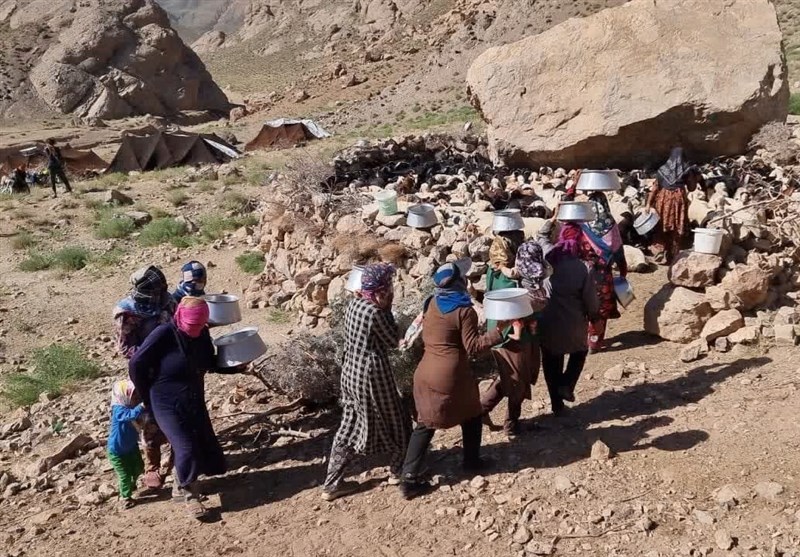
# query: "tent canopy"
[[152, 149], [77, 161], [285, 132]]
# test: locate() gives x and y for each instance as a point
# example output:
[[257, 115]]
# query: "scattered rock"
[[722, 324], [77, 444], [697, 350], [637, 262], [728, 496], [600, 451], [521, 535], [745, 335], [694, 270], [615, 373], [785, 334], [139, 218], [769, 490], [704, 517], [722, 345], [116, 197], [300, 96], [539, 548], [391, 221], [723, 540], [646, 524], [478, 482], [563, 484]]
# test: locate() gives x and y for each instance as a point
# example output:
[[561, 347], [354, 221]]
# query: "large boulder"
[[749, 284], [694, 270], [122, 58], [621, 87], [676, 314]]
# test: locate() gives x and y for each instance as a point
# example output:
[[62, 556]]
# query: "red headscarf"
[[191, 317]]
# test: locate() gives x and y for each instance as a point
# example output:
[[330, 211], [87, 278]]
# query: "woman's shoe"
[[566, 394], [341, 490], [412, 489], [477, 466]]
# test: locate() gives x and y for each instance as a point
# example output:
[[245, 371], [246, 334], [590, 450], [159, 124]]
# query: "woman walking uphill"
[[445, 391], [564, 322], [604, 237], [670, 200], [168, 373], [374, 420], [136, 316]]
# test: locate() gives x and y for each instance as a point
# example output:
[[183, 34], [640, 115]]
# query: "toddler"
[[123, 446]]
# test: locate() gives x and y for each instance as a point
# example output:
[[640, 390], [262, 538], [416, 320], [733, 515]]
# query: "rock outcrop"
[[622, 86], [118, 58]]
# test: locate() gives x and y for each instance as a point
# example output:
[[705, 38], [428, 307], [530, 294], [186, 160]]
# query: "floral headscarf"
[[376, 279], [501, 253], [530, 265]]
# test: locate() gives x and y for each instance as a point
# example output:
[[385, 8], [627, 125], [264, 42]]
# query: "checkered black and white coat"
[[374, 419]]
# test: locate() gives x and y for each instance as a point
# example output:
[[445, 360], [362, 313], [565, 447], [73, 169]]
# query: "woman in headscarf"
[[374, 420], [563, 325], [445, 391], [168, 373], [517, 361], [193, 281], [604, 237], [669, 198], [136, 316]]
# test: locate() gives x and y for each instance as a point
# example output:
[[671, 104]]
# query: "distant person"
[[55, 166], [670, 200], [19, 183], [193, 281], [123, 440]]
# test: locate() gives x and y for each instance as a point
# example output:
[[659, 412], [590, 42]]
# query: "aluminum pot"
[[507, 220], [422, 216], [646, 223], [576, 211], [507, 304], [354, 279], [223, 309], [623, 291], [598, 180], [240, 347]]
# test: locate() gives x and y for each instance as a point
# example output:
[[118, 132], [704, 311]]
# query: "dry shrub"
[[358, 249], [774, 137], [309, 366], [393, 253]]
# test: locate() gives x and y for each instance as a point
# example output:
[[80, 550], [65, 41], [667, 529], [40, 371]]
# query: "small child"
[[123, 445]]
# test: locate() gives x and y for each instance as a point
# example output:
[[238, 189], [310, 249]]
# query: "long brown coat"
[[445, 391]]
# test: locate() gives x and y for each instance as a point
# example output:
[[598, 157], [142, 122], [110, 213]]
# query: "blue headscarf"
[[193, 281], [451, 289]]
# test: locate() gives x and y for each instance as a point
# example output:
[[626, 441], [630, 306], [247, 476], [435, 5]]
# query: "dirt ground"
[[679, 433]]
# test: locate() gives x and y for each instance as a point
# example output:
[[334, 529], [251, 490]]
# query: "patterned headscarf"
[[604, 220], [530, 265], [193, 280], [149, 296], [672, 173], [451, 288], [191, 317], [122, 393], [376, 279]]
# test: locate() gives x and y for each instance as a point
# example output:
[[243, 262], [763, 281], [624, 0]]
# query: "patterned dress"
[[374, 419]]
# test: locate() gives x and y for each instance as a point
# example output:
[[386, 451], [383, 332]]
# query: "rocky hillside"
[[98, 58]]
